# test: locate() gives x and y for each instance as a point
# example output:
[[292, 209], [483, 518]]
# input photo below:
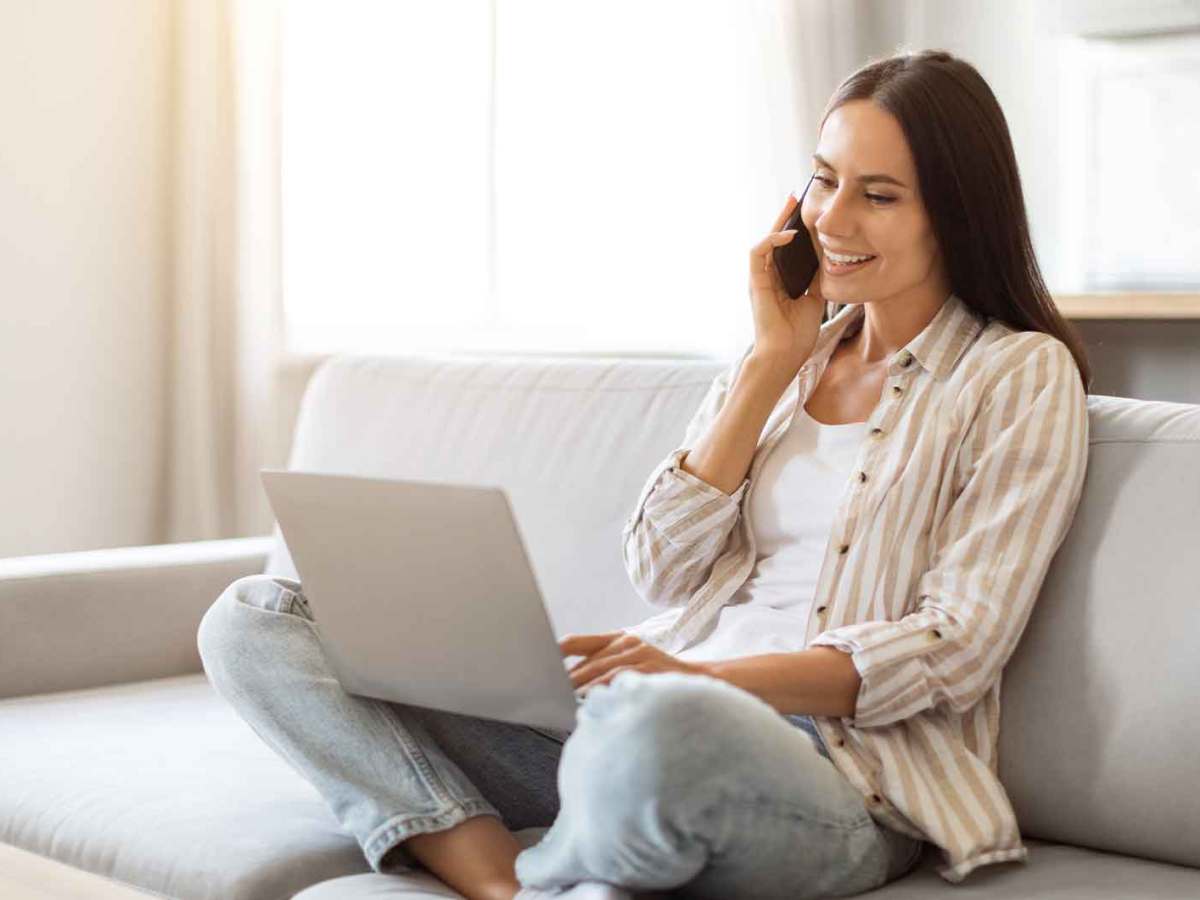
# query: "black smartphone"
[[796, 261]]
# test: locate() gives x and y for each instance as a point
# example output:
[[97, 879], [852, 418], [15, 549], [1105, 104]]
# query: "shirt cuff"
[[889, 658]]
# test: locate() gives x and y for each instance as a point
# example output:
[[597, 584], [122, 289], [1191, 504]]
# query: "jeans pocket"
[[291, 598]]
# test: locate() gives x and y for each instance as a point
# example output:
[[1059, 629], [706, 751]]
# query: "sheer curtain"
[[225, 335]]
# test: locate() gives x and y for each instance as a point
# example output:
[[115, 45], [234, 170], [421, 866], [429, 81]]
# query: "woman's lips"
[[832, 268]]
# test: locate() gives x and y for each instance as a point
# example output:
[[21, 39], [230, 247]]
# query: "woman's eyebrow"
[[863, 179]]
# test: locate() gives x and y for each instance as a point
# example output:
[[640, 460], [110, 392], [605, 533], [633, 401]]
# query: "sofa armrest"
[[97, 617]]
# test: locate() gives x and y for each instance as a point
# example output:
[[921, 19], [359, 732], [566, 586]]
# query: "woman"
[[820, 696]]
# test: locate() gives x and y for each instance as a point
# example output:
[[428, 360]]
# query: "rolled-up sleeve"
[[1022, 476], [680, 522]]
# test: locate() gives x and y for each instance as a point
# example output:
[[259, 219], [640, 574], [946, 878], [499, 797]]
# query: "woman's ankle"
[[476, 857]]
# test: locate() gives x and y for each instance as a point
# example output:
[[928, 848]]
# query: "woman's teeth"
[[837, 264], [846, 260]]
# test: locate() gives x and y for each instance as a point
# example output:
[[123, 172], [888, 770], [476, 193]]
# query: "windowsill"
[[1118, 305], [1113, 305]]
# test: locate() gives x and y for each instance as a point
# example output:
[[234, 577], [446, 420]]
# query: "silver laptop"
[[422, 593]]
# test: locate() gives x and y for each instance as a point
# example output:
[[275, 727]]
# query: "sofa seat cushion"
[[1054, 872], [160, 785]]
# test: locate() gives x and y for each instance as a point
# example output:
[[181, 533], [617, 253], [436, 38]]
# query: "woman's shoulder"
[[1001, 348], [1005, 362], [999, 332]]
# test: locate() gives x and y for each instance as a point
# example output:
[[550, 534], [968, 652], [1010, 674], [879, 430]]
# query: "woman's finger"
[[619, 644], [596, 667], [761, 251], [586, 644]]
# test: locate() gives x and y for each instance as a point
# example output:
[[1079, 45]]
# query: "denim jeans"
[[668, 782]]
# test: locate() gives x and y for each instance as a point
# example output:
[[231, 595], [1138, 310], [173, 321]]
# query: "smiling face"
[[864, 201]]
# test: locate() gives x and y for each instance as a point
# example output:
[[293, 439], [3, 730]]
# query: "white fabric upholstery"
[[1054, 872], [1099, 730], [109, 616], [158, 784]]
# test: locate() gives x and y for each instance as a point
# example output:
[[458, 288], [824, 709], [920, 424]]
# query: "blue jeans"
[[669, 781]]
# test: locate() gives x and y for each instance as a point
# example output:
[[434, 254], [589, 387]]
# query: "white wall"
[[84, 107]]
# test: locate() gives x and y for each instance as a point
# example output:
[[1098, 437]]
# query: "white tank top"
[[791, 516]]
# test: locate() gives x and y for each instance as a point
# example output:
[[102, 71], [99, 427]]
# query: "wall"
[[84, 95], [1145, 359]]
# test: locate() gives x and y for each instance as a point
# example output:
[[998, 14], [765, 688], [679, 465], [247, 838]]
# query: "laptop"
[[422, 593]]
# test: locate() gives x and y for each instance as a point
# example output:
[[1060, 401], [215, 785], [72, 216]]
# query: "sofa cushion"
[[1053, 872], [159, 784], [1098, 731], [571, 441]]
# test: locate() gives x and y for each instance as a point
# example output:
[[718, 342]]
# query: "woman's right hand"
[[785, 330]]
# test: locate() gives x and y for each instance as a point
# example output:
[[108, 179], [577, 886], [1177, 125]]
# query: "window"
[[526, 175], [1130, 188]]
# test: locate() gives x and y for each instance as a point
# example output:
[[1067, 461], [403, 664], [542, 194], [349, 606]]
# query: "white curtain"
[[225, 333]]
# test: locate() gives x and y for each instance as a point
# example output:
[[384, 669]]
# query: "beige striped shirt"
[[962, 492]]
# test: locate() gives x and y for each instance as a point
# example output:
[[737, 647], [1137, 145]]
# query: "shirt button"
[[841, 742], [907, 359], [896, 389], [875, 798], [935, 634], [876, 431], [844, 548], [820, 609], [862, 476]]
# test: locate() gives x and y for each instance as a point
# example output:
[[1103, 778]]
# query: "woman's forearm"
[[723, 453], [820, 681]]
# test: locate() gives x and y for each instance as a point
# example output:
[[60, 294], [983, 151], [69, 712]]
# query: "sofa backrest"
[[1099, 718], [570, 440]]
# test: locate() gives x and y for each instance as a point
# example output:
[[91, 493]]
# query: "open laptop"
[[422, 593]]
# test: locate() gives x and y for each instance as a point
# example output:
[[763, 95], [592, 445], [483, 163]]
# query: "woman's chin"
[[835, 290]]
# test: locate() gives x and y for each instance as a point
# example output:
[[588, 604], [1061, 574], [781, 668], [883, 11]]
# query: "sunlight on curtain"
[[533, 176]]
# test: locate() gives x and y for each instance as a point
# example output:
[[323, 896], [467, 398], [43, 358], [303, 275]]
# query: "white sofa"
[[119, 759]]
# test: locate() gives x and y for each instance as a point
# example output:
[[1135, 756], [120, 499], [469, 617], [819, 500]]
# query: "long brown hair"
[[968, 179]]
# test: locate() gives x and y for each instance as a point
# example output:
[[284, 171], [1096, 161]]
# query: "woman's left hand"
[[611, 652]]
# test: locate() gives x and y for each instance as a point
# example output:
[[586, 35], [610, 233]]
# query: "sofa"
[[121, 763]]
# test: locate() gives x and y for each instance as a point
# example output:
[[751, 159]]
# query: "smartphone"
[[796, 261]]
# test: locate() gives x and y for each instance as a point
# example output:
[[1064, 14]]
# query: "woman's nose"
[[835, 215]]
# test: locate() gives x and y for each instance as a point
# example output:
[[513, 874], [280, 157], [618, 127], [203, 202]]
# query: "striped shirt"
[[961, 493]]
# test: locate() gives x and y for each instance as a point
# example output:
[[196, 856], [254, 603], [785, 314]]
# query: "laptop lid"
[[423, 593]]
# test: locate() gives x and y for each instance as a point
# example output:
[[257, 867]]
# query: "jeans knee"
[[227, 636], [657, 738]]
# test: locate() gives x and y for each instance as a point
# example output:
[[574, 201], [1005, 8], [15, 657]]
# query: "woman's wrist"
[[773, 371]]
